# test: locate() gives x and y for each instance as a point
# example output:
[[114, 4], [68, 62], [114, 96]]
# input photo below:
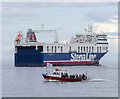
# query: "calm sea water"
[[28, 82]]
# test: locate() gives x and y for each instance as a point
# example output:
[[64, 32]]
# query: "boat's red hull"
[[63, 79]]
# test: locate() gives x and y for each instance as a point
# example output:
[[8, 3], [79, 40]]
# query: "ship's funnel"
[[31, 36]]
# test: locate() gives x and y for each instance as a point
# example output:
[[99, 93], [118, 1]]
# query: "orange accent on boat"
[[76, 40]]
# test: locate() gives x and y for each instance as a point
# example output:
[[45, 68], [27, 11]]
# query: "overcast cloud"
[[59, 4]]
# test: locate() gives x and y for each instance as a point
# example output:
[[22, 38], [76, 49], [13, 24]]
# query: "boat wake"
[[98, 80], [51, 80], [88, 80]]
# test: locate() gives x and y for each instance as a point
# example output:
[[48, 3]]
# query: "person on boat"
[[62, 75], [80, 76], [77, 76], [83, 76], [54, 73], [73, 76], [66, 75]]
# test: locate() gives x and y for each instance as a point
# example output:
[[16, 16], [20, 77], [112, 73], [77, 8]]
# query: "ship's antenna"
[[88, 29], [85, 30], [43, 26], [91, 29], [56, 37]]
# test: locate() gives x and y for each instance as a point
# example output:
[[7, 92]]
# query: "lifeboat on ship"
[[18, 37], [62, 75]]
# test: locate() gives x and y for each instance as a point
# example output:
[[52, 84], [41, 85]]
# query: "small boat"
[[62, 75]]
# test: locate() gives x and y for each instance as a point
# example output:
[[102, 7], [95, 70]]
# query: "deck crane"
[[32, 38]]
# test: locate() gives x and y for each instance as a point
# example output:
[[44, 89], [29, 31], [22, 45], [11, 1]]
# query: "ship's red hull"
[[63, 79], [75, 63]]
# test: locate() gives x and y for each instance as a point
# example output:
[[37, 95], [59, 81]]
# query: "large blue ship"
[[83, 49]]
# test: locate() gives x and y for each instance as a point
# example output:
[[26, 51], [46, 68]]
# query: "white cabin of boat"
[[58, 72]]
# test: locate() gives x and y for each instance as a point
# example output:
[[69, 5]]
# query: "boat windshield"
[[56, 73]]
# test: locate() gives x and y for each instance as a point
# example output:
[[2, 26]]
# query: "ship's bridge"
[[82, 38]]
